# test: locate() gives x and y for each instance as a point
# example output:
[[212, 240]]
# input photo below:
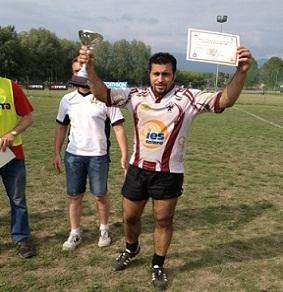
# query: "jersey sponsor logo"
[[145, 107], [154, 138], [153, 134], [5, 105]]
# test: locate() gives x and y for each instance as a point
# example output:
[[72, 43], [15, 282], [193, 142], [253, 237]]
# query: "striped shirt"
[[162, 125]]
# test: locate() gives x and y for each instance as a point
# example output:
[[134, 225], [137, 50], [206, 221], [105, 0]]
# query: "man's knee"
[[131, 219], [102, 203], [101, 199], [75, 198], [165, 222], [132, 211]]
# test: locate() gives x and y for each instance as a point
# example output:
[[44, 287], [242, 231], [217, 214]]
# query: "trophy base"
[[79, 81]]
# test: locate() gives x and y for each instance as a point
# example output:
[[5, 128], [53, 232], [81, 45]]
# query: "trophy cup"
[[90, 39]]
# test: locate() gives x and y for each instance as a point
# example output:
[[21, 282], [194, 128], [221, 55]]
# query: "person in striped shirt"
[[162, 115]]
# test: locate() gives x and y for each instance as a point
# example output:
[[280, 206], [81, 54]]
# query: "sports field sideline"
[[228, 222]]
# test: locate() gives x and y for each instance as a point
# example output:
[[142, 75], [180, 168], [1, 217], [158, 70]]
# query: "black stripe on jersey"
[[84, 94], [107, 134], [121, 121], [66, 121]]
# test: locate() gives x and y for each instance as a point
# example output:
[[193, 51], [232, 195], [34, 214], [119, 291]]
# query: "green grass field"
[[228, 223]]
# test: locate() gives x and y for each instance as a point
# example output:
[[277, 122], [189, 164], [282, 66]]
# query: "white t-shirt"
[[89, 121], [161, 126]]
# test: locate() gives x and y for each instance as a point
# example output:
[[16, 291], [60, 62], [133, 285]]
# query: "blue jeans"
[[79, 168], [13, 175]]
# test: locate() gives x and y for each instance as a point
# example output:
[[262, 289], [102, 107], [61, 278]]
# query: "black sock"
[[158, 260], [132, 247]]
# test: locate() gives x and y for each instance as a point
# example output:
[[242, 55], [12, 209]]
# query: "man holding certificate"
[[15, 117], [162, 115]]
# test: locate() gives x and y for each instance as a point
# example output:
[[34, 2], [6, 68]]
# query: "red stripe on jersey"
[[190, 96], [187, 93], [170, 143], [133, 90], [137, 150], [149, 165]]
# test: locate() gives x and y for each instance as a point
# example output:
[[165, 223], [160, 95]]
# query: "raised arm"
[[97, 86], [232, 91]]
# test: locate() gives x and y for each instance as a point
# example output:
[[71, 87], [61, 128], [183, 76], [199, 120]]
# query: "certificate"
[[6, 157], [212, 47]]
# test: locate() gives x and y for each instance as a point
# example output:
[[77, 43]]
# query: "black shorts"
[[142, 184]]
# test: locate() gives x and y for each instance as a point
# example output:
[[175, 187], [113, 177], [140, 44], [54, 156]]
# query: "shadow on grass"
[[36, 217], [230, 217], [255, 248], [51, 223]]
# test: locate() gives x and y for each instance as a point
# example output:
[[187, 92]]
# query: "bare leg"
[[103, 209], [132, 211], [75, 210], [163, 211]]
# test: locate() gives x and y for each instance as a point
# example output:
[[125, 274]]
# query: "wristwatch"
[[14, 133]]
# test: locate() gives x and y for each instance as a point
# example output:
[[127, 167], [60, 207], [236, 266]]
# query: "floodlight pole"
[[220, 19]]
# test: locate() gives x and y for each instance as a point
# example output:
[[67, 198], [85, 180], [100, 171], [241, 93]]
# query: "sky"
[[160, 24]]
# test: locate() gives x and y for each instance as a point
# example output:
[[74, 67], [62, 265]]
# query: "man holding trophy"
[[162, 114], [87, 153]]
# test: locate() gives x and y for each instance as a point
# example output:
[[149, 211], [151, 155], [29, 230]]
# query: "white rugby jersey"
[[162, 125], [89, 121]]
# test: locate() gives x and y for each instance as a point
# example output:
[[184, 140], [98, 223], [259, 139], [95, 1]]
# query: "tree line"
[[39, 56]]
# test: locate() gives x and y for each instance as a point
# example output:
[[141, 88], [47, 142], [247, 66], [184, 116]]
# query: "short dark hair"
[[163, 59]]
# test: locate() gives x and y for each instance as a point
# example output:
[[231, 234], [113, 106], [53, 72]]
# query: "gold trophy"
[[92, 40]]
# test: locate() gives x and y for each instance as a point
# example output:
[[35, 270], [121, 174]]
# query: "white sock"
[[76, 231], [104, 227]]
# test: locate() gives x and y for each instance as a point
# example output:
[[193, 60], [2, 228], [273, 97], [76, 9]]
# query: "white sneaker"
[[104, 239], [72, 242]]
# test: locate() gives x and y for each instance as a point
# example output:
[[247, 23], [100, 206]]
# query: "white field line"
[[258, 117]]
